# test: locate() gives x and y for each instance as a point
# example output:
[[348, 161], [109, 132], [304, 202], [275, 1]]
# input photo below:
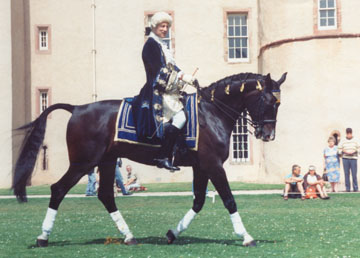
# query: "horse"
[[90, 141]]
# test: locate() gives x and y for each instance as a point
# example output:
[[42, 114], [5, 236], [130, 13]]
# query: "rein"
[[226, 109]]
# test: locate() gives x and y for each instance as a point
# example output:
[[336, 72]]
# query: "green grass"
[[159, 187], [311, 228]]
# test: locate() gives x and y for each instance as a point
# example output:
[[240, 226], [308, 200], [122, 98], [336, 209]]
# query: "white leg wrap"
[[121, 224], [48, 224], [239, 227], [185, 222]]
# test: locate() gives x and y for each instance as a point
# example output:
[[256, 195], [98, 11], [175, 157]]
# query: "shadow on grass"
[[158, 241]]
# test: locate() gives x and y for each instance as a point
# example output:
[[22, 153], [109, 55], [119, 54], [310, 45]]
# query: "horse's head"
[[263, 104]]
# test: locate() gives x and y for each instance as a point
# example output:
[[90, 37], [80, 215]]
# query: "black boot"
[[167, 147]]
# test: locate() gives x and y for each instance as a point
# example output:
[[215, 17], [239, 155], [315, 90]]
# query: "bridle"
[[234, 114]]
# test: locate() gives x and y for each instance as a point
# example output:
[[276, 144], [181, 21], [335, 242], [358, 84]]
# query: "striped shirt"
[[349, 145]]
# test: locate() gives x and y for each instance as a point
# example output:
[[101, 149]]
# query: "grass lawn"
[[158, 187], [311, 228]]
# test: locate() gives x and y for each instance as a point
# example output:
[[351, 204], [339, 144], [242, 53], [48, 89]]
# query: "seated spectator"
[[293, 184], [133, 183], [314, 181], [119, 180]]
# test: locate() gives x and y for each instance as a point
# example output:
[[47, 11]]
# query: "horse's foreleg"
[[58, 192], [199, 187], [106, 196], [219, 180]]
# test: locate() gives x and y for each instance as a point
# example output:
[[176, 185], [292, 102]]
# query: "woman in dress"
[[158, 110], [332, 164]]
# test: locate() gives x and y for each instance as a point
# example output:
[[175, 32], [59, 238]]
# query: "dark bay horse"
[[90, 141]]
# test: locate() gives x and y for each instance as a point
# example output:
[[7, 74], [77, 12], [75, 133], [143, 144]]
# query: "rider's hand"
[[188, 78]]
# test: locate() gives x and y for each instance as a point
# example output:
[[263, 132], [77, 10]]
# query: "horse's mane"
[[240, 77]]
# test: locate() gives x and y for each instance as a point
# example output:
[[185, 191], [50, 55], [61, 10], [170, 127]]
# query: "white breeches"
[[179, 119]]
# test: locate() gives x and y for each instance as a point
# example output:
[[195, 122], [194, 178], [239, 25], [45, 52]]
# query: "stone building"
[[90, 50]]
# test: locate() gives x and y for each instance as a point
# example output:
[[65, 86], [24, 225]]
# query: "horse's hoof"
[[131, 241], [41, 243], [170, 237], [250, 244]]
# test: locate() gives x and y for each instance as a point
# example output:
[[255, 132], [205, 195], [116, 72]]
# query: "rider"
[[158, 109]]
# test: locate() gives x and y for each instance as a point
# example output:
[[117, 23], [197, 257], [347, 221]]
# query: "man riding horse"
[[158, 110]]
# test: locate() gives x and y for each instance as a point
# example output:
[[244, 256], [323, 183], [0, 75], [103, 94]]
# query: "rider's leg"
[[172, 131]]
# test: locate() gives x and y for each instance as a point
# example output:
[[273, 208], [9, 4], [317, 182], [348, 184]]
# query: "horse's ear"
[[282, 79], [268, 82]]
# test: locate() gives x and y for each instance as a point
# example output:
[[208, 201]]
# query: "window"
[[240, 142], [43, 39], [327, 14], [168, 38], [44, 100], [237, 37]]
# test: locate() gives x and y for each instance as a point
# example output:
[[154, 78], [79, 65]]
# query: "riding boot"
[[167, 148]]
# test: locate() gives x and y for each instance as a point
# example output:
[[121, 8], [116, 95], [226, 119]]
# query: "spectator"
[[332, 164], [293, 184], [314, 181], [91, 185], [118, 178], [349, 148], [133, 182]]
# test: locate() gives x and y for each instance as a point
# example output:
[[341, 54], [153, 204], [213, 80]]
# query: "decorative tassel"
[[259, 87], [227, 90], [242, 87]]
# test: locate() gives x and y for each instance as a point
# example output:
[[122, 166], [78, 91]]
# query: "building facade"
[[90, 50]]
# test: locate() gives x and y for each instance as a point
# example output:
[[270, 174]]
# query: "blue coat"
[[147, 106]]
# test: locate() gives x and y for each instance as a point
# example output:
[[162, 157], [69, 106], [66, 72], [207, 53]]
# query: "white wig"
[[160, 17]]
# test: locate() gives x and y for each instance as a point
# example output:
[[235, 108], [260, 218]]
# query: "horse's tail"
[[30, 148]]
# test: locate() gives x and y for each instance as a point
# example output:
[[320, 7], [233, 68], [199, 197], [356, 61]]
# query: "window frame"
[[327, 9], [326, 30], [241, 37]]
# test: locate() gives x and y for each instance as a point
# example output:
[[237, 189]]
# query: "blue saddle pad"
[[126, 131]]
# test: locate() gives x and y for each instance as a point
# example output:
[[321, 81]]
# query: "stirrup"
[[165, 163]]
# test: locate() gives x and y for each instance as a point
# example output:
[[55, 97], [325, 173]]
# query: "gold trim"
[[242, 87], [259, 87], [227, 90], [212, 95], [199, 99]]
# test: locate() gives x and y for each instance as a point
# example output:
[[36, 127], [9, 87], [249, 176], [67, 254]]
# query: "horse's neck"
[[225, 119]]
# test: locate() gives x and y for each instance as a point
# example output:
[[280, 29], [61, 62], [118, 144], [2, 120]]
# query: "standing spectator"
[[91, 185], [293, 184], [313, 180], [119, 179], [349, 148], [332, 164]]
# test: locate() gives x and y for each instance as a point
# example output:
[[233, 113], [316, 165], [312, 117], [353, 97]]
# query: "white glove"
[[188, 78]]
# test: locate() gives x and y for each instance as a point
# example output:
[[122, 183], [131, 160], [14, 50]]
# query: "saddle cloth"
[[126, 131]]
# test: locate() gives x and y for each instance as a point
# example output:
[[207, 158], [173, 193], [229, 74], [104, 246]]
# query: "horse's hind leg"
[[200, 183], [219, 180], [106, 196], [58, 192]]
